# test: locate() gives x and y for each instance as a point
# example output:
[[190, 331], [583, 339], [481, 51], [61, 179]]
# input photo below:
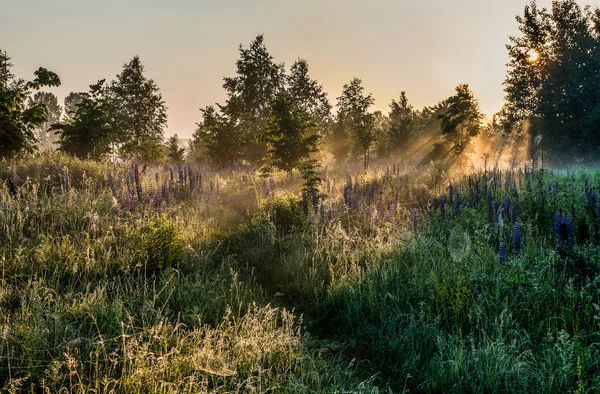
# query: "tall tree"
[[287, 133], [553, 83], [17, 122], [5, 65], [402, 120], [258, 80], [462, 120], [45, 137], [142, 112], [309, 94], [353, 108], [91, 130]]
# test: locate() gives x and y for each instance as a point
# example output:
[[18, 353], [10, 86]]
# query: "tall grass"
[[182, 279]]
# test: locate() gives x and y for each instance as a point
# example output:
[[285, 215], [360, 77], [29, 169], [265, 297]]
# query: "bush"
[[161, 245]]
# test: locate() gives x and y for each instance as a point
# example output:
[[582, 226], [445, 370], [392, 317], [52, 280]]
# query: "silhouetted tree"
[[17, 122], [287, 133], [92, 130], [141, 110], [353, 110], [258, 80], [217, 137], [462, 119]]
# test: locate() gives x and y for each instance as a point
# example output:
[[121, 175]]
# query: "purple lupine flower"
[[557, 222], [517, 237], [272, 183], [171, 176], [322, 212], [136, 178], [180, 173], [415, 220], [456, 204], [502, 253], [515, 213], [450, 191], [156, 177], [57, 174], [330, 214], [315, 200], [212, 185], [598, 210], [442, 205], [305, 202]]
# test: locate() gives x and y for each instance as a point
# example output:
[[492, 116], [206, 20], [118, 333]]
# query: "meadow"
[[177, 278]]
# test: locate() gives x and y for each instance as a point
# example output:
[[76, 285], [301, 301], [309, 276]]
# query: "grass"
[[225, 285]]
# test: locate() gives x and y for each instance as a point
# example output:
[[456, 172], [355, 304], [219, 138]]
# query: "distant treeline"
[[277, 118]]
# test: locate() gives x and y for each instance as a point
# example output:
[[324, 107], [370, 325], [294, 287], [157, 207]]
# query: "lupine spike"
[[415, 219], [502, 253], [517, 237]]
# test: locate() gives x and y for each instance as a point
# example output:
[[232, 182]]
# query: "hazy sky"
[[425, 47]]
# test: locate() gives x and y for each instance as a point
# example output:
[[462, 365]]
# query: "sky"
[[424, 47]]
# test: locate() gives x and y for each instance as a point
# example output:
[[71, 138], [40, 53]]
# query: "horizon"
[[189, 71]]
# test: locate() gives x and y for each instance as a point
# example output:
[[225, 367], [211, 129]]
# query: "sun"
[[534, 56]]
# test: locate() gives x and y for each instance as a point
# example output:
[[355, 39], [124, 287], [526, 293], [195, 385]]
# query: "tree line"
[[281, 118]]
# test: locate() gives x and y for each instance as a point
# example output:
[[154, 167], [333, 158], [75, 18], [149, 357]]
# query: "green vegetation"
[[250, 263], [198, 282]]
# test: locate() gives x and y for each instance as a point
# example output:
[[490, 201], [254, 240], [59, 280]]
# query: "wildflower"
[[442, 205], [502, 253], [414, 219], [517, 237], [272, 183], [557, 221], [515, 213], [315, 200], [322, 212]]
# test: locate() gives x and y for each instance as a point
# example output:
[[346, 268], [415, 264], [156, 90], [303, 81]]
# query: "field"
[[170, 279]]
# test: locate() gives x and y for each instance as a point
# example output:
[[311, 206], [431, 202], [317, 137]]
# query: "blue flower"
[[502, 253], [517, 237]]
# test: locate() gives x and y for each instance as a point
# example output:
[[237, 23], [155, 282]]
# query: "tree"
[[402, 119], [309, 94], [217, 138], [5, 65], [258, 80], [141, 111], [354, 110], [339, 140], [287, 133], [91, 130], [175, 154], [462, 120], [71, 103], [17, 122], [46, 139], [553, 84]]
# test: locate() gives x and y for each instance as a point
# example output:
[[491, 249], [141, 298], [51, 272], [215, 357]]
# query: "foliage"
[[91, 131], [175, 154], [141, 112], [552, 85], [462, 120], [17, 122], [46, 139], [353, 111], [288, 133]]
